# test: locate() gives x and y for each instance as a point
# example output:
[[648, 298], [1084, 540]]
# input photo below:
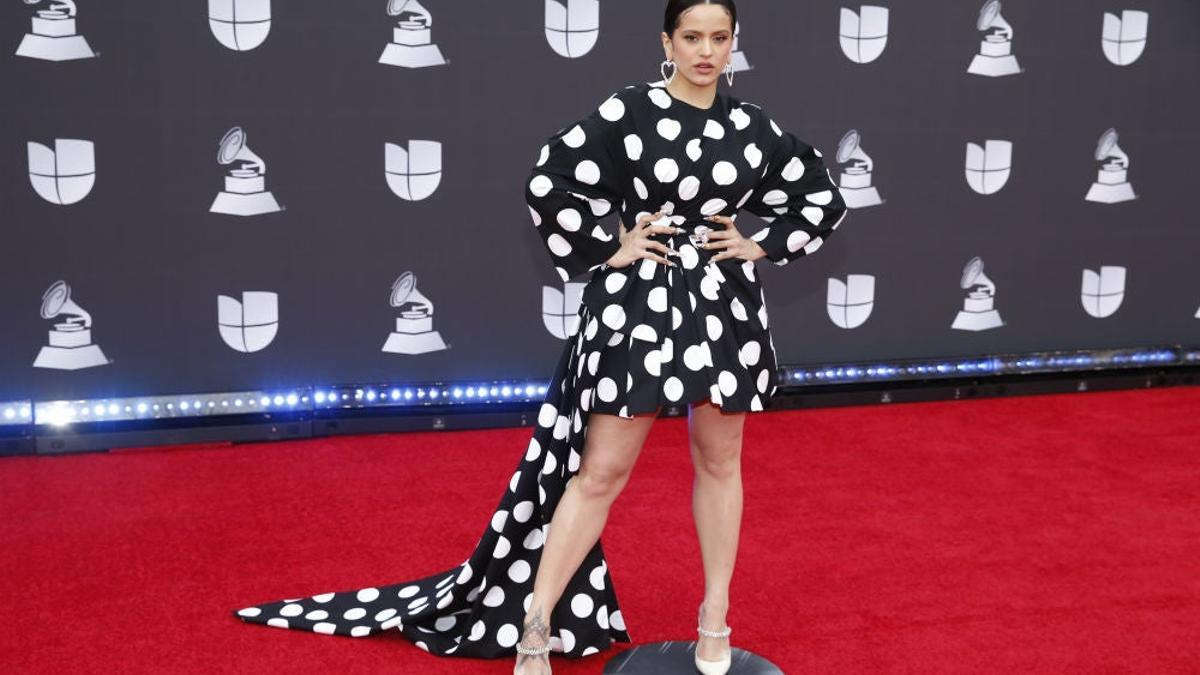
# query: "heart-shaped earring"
[[663, 69]]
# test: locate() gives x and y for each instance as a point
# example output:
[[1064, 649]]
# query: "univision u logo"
[[65, 174], [572, 26], [988, 166], [863, 36], [250, 324], [1103, 291], [1124, 37], [240, 25], [849, 303], [414, 172]]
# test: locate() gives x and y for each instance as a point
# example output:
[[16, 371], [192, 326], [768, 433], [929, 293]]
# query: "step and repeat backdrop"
[[216, 195]]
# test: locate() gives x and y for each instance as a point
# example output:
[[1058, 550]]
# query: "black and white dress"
[[648, 335]]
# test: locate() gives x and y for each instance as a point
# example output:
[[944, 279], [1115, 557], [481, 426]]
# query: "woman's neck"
[[701, 97]]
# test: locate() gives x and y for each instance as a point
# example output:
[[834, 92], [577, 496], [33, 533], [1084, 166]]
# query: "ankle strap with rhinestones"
[[715, 633], [533, 651]]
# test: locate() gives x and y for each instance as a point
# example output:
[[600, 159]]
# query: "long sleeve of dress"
[[796, 197], [575, 182]]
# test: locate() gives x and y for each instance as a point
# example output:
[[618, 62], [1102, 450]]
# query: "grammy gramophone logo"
[[245, 192], [414, 332], [849, 303], [70, 345], [412, 42], [53, 36], [995, 57], [738, 57], [560, 309], [248, 324], [855, 181], [1123, 38], [989, 165], [65, 174], [1112, 178], [1102, 292], [413, 173], [572, 26], [978, 312], [240, 25], [863, 34]]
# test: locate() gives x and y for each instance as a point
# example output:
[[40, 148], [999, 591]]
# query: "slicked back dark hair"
[[675, 8]]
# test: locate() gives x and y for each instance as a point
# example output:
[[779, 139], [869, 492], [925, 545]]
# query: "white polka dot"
[[323, 598], [693, 149], [656, 299], [709, 287], [633, 147], [250, 612], [753, 155], [645, 332], [354, 614], [775, 198], [558, 245], [612, 109], [652, 363], [613, 317], [659, 97], [588, 172], [494, 597], [385, 615], [519, 571], [317, 615], [534, 539], [596, 577], [727, 381], [796, 240], [814, 214], [739, 118], [724, 173], [794, 170], [713, 206], [667, 350], [616, 620], [668, 128], [779, 132], [291, 610], [277, 622], [666, 170], [541, 185], [693, 358], [326, 628], [599, 207], [615, 282], [606, 389], [368, 595], [750, 352], [763, 376], [568, 640], [575, 137], [714, 326], [813, 245], [673, 388], [640, 188], [688, 257], [602, 616], [581, 605], [507, 635], [537, 217], [543, 155], [823, 197], [477, 631], [499, 518], [688, 187], [714, 130], [738, 310], [408, 591], [523, 510]]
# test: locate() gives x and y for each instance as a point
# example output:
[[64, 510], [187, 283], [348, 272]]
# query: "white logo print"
[[53, 36], [560, 309], [988, 166], [1102, 293], [855, 182], [245, 191], [1124, 37], [849, 303], [65, 174], [738, 57], [978, 312], [413, 173], [240, 25], [250, 324], [414, 332], [995, 56], [573, 26], [864, 35], [70, 346], [1112, 179], [412, 43]]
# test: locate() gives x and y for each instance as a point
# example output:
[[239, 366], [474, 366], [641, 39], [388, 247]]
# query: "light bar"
[[63, 413], [16, 413], [427, 394]]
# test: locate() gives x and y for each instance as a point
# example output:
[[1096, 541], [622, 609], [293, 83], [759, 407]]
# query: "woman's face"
[[703, 38]]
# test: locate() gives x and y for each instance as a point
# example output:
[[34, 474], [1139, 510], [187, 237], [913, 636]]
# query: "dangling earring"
[[663, 69], [729, 73]]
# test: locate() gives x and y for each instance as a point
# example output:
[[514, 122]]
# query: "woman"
[[673, 313]]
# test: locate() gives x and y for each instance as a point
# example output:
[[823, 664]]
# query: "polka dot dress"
[[648, 335]]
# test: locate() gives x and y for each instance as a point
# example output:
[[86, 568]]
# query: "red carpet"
[[1044, 534]]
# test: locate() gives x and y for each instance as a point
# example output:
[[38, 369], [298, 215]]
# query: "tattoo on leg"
[[536, 627]]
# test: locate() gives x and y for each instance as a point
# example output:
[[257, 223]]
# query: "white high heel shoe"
[[713, 667]]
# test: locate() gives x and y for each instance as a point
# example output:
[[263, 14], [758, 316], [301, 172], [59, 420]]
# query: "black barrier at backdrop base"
[[675, 658]]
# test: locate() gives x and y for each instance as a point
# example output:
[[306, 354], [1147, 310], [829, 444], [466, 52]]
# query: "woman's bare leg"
[[611, 447], [715, 438]]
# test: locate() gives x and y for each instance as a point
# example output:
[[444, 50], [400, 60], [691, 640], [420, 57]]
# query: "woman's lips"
[[704, 66]]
